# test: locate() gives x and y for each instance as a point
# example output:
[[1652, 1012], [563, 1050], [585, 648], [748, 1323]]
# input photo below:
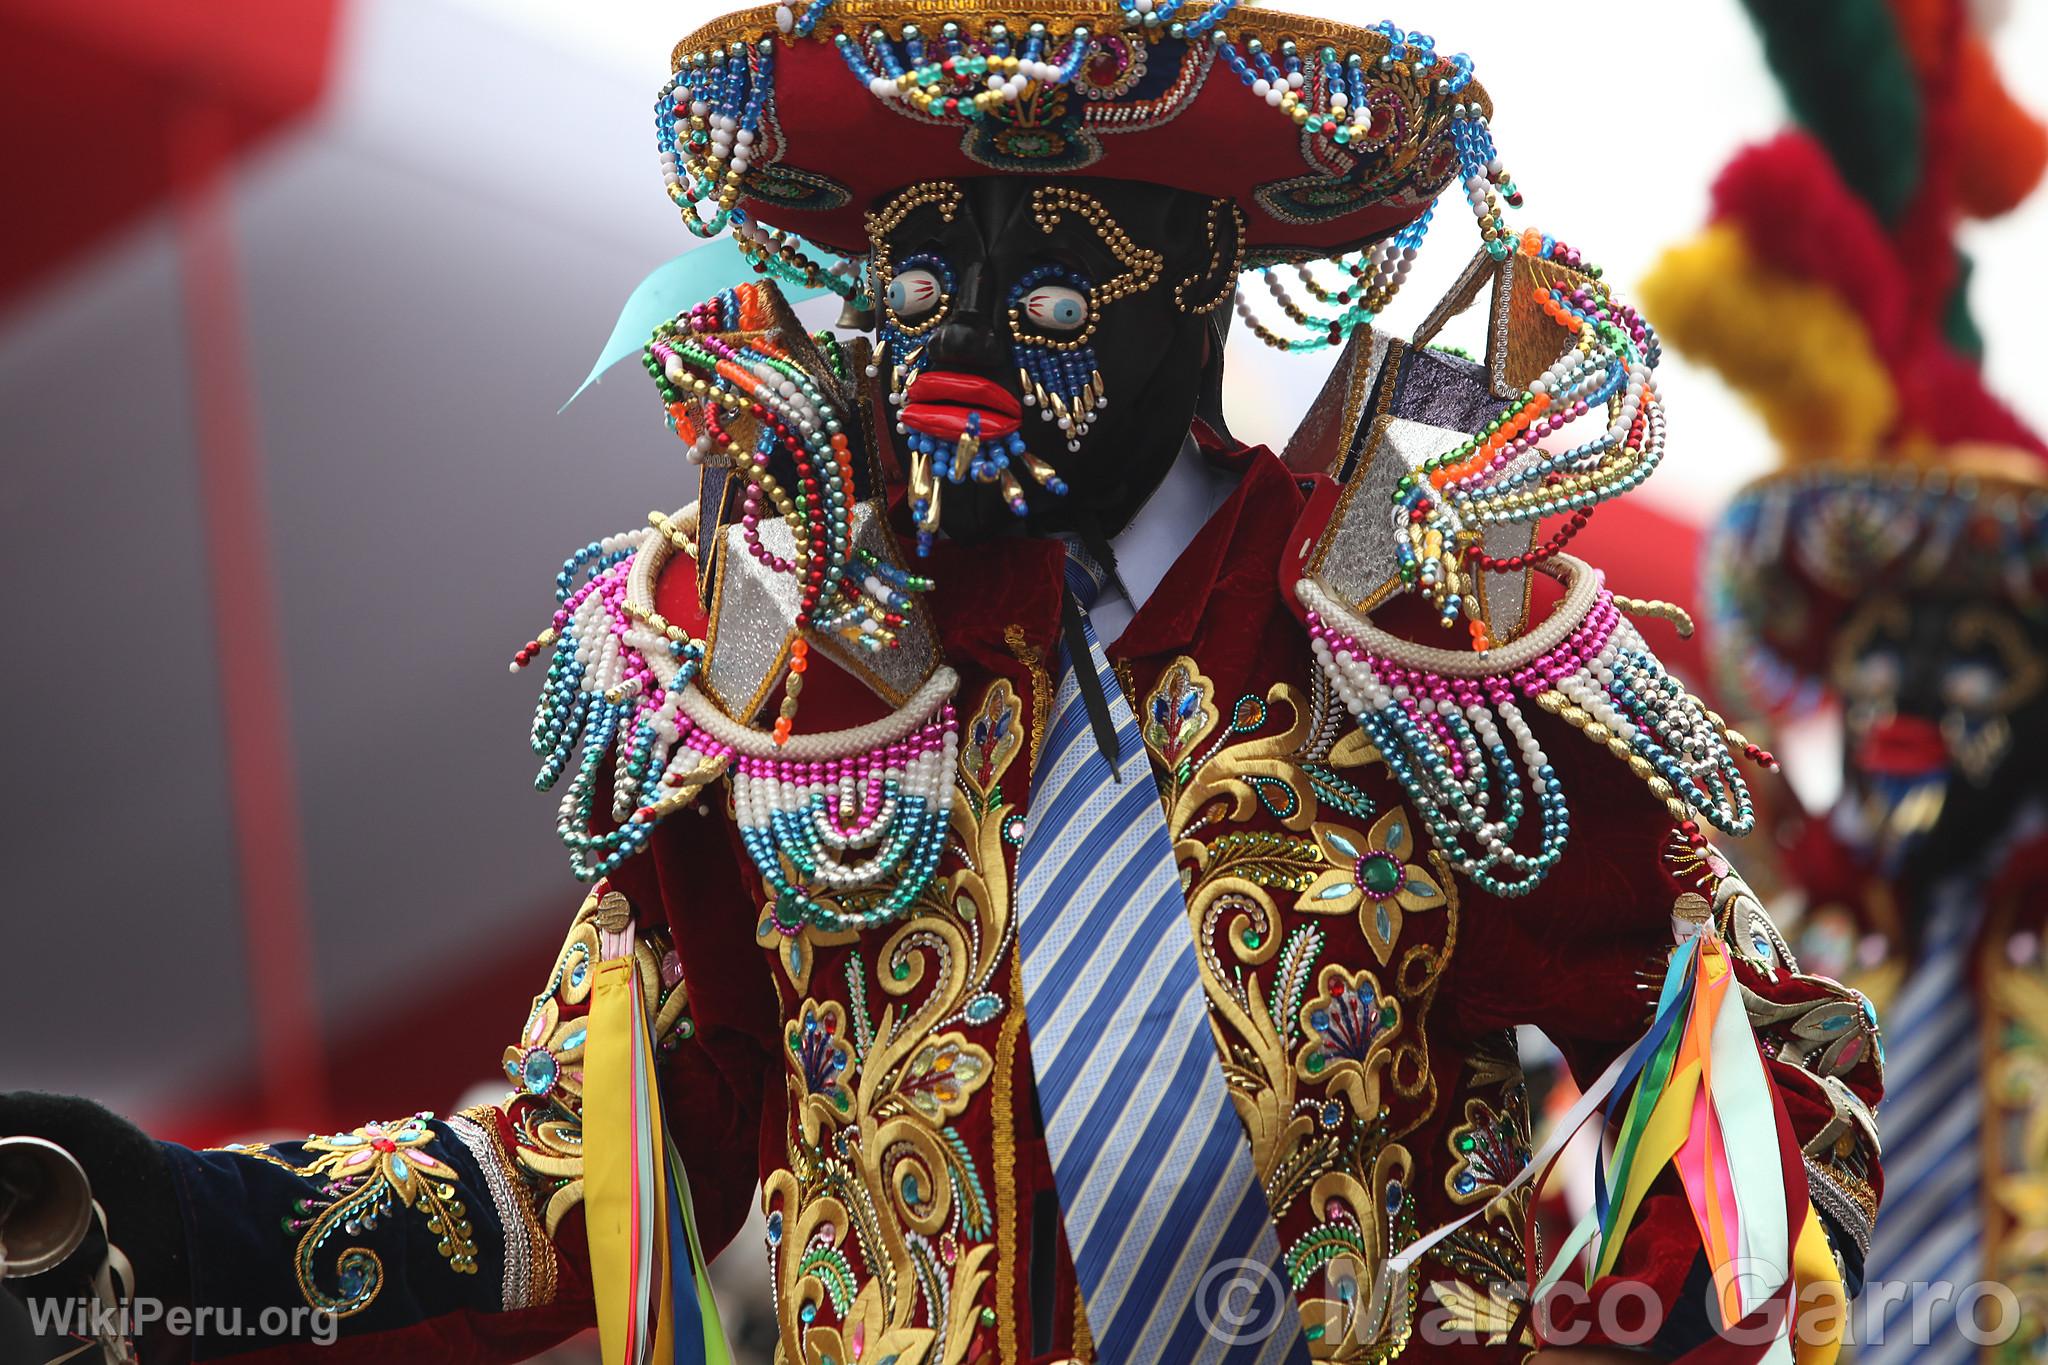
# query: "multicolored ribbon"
[[1698, 1099], [1693, 1094], [654, 1305]]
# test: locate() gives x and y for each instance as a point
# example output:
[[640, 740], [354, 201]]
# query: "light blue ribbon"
[[687, 280]]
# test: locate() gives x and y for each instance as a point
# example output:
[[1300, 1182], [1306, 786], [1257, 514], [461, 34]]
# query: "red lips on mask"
[[939, 403], [1903, 746]]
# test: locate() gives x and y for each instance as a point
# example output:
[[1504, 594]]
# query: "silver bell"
[[45, 1206]]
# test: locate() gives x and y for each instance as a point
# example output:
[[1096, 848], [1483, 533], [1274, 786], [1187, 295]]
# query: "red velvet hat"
[[1327, 136]]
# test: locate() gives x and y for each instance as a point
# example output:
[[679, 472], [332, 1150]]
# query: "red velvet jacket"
[[879, 1085]]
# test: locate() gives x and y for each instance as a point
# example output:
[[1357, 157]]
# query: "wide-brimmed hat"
[[1327, 136], [1904, 474], [1797, 552]]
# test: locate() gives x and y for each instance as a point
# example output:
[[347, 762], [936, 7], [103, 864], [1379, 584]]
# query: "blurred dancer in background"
[[1900, 563]]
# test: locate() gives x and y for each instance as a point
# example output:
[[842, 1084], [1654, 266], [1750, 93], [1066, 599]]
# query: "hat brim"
[[1794, 553], [1146, 107]]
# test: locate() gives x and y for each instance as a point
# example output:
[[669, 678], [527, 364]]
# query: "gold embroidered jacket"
[[878, 1085]]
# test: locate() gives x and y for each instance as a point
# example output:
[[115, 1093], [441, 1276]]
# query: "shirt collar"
[[987, 592], [1165, 525]]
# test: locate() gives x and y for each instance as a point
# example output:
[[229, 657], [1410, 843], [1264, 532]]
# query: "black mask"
[[1945, 718], [1047, 343]]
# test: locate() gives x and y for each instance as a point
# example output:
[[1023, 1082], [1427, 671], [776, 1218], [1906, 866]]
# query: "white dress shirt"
[[1163, 528]]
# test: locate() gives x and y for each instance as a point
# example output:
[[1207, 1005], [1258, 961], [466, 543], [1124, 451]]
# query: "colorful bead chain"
[[848, 811], [605, 693], [1375, 277], [718, 366], [1509, 470], [707, 122], [969, 83], [1450, 727]]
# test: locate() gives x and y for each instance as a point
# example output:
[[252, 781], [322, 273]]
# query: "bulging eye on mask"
[[1044, 345]]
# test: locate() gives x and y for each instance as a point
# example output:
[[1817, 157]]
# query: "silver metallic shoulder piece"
[[752, 624]]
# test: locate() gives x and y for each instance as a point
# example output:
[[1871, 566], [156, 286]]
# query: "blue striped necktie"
[[1932, 1226], [1172, 1239]]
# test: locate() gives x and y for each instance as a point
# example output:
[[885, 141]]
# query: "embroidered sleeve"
[[387, 1232], [407, 1234], [1826, 1057]]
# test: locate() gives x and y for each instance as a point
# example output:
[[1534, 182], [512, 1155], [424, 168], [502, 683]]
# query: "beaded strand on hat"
[[709, 119]]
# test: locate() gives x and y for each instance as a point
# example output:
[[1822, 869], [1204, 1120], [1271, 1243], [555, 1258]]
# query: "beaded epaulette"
[[1450, 726], [845, 826]]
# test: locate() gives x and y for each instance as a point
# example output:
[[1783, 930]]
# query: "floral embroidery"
[[1362, 1314], [822, 1054], [1178, 715], [1373, 875], [1489, 1148], [1347, 1027], [993, 737], [546, 1065], [942, 1075], [1307, 1044], [881, 1227], [367, 1175]]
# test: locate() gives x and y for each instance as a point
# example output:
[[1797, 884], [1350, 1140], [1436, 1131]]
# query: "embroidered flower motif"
[[1373, 875], [798, 952], [546, 1063], [1489, 1148], [1347, 1026], [867, 1336], [1114, 69], [941, 1076], [389, 1150], [818, 1044], [1032, 142], [549, 1055], [1335, 1264], [1179, 714], [362, 1177], [993, 738]]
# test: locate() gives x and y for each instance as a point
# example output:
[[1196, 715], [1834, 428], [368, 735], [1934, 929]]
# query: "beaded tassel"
[[720, 370], [1451, 729], [604, 695], [1330, 97]]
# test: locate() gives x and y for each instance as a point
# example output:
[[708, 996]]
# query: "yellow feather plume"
[[1792, 348]]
